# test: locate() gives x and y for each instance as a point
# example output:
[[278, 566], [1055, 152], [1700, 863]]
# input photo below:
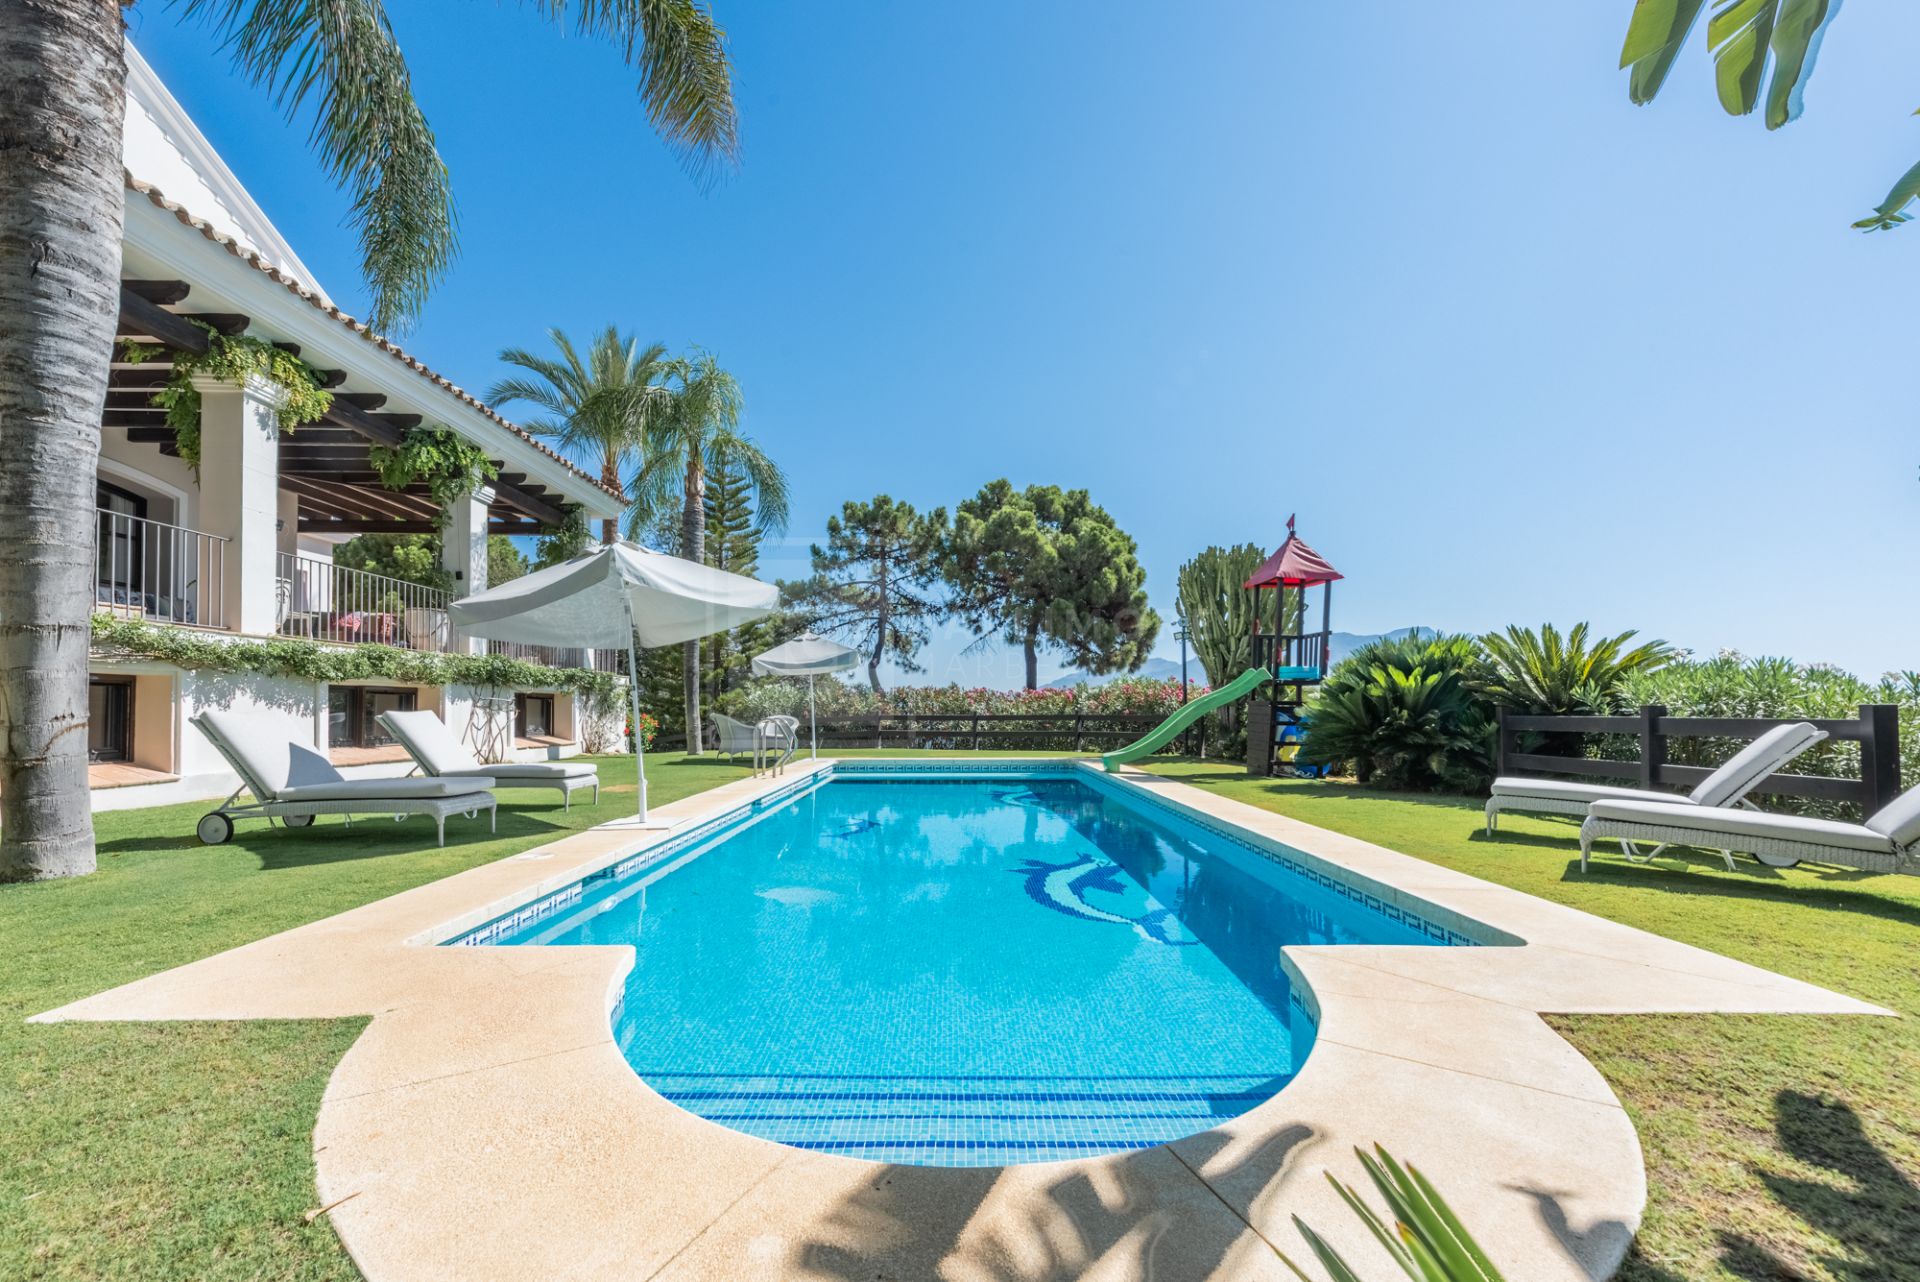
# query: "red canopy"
[[1295, 565]]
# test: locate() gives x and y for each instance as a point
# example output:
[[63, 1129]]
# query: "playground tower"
[[1296, 656]]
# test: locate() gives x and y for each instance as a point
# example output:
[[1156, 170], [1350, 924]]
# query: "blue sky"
[[1512, 348]]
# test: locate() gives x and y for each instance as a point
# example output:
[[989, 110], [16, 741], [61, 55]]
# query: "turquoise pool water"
[[962, 969]]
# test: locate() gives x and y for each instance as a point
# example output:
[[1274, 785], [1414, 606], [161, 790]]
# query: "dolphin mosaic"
[[1064, 889]]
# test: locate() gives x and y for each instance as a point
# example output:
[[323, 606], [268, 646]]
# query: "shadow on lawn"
[[915, 1222], [1753, 881], [332, 841], [1870, 1207]]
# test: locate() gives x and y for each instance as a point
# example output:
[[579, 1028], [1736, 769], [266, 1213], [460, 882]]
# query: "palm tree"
[[62, 103], [599, 405], [694, 432]]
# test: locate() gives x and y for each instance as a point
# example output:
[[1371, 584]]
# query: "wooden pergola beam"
[[232, 324], [160, 292], [354, 501], [139, 315]]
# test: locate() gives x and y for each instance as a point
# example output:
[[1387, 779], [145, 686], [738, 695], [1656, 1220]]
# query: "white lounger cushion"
[[440, 753], [386, 789], [1741, 773], [1718, 827], [258, 748], [538, 770], [1562, 790], [1745, 769], [437, 749], [1899, 819]]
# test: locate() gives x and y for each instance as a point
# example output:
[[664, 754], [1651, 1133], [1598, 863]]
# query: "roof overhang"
[[159, 245]]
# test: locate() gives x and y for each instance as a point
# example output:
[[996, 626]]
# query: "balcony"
[[561, 656], [322, 601], [158, 572]]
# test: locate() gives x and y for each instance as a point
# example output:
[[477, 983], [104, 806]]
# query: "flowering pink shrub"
[[1128, 696]]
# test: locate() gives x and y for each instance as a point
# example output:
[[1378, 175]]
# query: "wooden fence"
[[1876, 730], [1006, 731], [986, 731]]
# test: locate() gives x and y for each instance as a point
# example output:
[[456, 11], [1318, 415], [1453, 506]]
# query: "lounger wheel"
[[297, 821], [214, 829], [1777, 861]]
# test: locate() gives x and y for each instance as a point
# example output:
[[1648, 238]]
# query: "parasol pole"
[[813, 733], [633, 690]]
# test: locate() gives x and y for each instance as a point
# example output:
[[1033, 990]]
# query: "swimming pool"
[[961, 966]]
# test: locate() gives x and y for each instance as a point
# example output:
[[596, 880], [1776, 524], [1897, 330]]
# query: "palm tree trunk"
[[693, 539], [1033, 657], [610, 475], [62, 99]]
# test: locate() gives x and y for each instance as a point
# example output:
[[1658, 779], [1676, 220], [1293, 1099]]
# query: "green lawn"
[[147, 1151], [1777, 1147]]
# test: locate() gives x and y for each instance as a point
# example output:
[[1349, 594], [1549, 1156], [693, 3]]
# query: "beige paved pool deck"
[[486, 1126]]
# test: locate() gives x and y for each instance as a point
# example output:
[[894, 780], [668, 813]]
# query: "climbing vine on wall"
[[116, 638], [231, 358], [452, 466]]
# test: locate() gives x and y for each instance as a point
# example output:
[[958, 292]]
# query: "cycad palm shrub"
[[1405, 714], [1540, 671]]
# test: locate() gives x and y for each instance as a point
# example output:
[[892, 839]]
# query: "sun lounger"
[[436, 750], [1889, 841], [1727, 786], [293, 782]]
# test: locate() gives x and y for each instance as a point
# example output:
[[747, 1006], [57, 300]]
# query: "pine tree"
[[873, 581], [733, 545], [733, 542]]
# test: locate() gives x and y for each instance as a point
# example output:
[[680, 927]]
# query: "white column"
[[240, 495], [463, 552]]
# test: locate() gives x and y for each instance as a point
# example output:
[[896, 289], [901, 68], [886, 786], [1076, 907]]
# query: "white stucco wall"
[[162, 146], [298, 707]]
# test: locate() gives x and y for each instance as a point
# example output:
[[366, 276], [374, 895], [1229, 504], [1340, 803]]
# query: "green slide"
[[1157, 738]]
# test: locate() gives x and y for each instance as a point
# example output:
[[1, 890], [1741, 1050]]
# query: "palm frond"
[[1654, 36], [371, 135], [686, 78], [1891, 212]]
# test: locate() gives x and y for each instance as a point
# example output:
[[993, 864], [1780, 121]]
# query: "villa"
[[242, 547], [403, 922]]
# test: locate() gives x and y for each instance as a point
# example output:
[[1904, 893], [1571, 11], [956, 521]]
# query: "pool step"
[[973, 1120]]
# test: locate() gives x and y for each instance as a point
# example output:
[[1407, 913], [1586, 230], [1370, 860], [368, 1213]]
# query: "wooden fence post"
[[1880, 754], [1653, 745], [1503, 742]]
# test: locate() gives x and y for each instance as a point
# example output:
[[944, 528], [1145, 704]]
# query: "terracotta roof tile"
[[384, 344]]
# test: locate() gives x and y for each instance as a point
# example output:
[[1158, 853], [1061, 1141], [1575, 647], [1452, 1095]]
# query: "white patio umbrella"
[[605, 599], [806, 656]]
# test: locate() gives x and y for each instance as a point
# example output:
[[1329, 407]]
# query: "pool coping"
[[486, 1125]]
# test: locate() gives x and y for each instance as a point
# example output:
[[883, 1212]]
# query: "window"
[[533, 716], [109, 718], [118, 549], [352, 713]]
